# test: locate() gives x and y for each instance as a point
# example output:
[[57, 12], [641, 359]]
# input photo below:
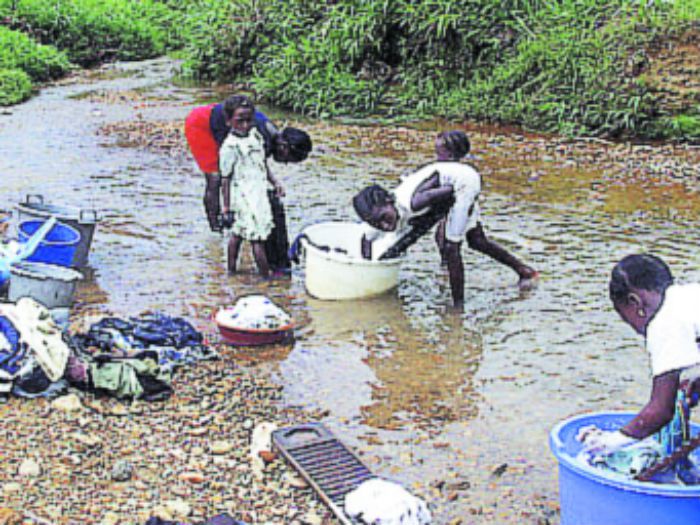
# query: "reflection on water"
[[411, 376], [425, 395]]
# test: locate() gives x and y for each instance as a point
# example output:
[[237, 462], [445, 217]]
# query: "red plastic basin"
[[255, 337]]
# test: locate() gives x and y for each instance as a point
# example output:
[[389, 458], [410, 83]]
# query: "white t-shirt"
[[673, 334], [462, 217]]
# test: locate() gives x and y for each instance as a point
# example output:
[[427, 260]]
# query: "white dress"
[[243, 159]]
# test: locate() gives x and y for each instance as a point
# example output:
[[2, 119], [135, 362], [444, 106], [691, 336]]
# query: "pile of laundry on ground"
[[126, 359]]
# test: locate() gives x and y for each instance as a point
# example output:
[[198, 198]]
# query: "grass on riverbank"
[[577, 67], [87, 32], [92, 31]]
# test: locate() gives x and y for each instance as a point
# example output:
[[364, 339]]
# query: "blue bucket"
[[58, 247], [589, 496]]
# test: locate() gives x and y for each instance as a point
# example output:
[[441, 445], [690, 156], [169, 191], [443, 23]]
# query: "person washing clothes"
[[444, 192], [246, 182], [206, 128], [644, 295]]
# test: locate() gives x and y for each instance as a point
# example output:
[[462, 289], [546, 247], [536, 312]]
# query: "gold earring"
[[641, 313]]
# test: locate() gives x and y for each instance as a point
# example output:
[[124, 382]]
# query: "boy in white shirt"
[[444, 191], [668, 315]]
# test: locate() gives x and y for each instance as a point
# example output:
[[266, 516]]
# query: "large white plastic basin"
[[334, 275]]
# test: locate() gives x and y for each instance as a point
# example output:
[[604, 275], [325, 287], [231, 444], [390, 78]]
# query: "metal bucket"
[[85, 221], [50, 284]]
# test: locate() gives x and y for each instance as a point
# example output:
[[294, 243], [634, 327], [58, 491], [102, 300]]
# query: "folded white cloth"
[[254, 312], [378, 501]]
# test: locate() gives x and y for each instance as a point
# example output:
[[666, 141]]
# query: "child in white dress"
[[246, 183]]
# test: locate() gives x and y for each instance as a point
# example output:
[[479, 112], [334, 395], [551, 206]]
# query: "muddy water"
[[456, 406]]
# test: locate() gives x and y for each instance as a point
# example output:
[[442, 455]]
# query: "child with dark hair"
[[443, 192], [288, 145], [206, 128], [668, 316], [246, 183]]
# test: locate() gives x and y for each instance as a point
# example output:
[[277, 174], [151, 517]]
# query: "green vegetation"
[[15, 86], [18, 51], [91, 31], [577, 67], [568, 66], [87, 32]]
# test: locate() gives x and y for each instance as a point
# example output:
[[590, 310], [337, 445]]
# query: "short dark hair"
[[371, 196], [456, 142], [299, 143], [640, 271], [234, 102]]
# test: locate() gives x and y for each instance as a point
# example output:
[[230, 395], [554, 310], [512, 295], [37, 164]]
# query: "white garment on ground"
[[38, 330], [254, 312], [672, 335], [243, 159], [378, 501], [463, 216]]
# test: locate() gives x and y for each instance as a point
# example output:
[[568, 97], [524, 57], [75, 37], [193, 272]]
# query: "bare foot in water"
[[528, 278]]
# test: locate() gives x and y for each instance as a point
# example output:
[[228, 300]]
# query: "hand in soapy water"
[[599, 441]]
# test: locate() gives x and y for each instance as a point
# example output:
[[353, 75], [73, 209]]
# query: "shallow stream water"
[[456, 406]]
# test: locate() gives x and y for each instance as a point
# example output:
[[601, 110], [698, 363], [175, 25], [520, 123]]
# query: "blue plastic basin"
[[589, 496], [58, 247]]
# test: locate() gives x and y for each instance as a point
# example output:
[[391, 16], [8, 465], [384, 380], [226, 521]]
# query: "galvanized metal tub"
[[49, 284], [85, 221]]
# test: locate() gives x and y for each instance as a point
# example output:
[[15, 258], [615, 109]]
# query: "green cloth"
[[120, 377], [632, 459]]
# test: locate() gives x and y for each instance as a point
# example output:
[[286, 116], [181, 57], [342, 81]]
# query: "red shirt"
[[200, 138]]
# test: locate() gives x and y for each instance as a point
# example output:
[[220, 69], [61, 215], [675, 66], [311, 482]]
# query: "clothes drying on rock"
[[174, 339], [12, 354], [162, 330], [30, 338], [135, 358], [138, 377], [112, 333], [35, 384]]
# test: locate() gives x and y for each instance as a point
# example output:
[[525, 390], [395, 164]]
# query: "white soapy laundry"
[[381, 502]]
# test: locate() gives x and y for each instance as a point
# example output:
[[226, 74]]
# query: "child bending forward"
[[444, 192], [246, 183]]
